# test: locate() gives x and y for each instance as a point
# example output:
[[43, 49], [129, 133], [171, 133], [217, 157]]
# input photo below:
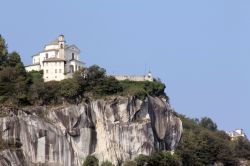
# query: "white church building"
[[58, 60]]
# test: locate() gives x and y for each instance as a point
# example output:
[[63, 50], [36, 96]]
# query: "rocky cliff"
[[116, 129]]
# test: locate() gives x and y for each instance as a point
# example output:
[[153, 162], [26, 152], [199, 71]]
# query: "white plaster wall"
[[55, 71], [76, 65], [51, 54], [35, 59], [33, 67], [133, 78], [50, 47], [68, 54]]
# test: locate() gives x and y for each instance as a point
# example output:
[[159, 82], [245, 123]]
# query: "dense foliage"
[[143, 88], [13, 76], [91, 161], [203, 144], [157, 158]]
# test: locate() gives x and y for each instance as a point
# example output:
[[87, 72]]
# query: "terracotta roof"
[[53, 60]]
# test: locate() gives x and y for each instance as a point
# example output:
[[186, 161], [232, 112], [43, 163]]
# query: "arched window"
[[47, 56], [73, 56], [61, 46]]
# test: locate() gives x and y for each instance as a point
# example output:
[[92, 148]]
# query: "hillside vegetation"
[[203, 144]]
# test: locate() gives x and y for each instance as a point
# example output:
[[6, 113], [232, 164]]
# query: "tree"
[[109, 86], [163, 159], [51, 94], [68, 88], [91, 161], [13, 87], [3, 52], [141, 160], [208, 123], [242, 148]]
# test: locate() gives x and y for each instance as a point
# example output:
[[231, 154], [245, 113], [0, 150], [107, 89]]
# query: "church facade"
[[58, 60]]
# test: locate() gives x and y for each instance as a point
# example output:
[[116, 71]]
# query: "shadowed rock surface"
[[115, 129]]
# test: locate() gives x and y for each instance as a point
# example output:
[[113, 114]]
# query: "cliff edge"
[[115, 129]]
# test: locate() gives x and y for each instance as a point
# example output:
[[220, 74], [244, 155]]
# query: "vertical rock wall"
[[117, 130]]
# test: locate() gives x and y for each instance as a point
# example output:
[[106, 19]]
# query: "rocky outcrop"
[[115, 129]]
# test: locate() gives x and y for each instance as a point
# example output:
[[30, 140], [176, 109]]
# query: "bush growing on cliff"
[[157, 158], [91, 161], [143, 88], [69, 88], [94, 80]]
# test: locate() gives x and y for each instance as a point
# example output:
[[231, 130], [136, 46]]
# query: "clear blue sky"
[[199, 48]]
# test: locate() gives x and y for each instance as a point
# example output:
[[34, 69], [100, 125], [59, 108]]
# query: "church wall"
[[53, 71], [76, 65], [33, 67], [35, 59], [42, 56], [68, 54], [50, 47], [133, 78]]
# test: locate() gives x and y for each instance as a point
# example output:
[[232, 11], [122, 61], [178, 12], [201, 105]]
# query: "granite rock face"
[[117, 130]]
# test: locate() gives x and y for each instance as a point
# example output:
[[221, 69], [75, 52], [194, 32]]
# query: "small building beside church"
[[147, 77], [236, 134], [58, 60]]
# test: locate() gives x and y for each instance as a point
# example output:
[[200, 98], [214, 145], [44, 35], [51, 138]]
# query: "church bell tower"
[[61, 43]]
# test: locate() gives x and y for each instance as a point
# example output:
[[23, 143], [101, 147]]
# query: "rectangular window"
[[56, 63], [47, 71], [55, 70], [60, 70]]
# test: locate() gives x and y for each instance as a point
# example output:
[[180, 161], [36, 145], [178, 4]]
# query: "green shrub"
[[208, 123], [91, 161], [202, 145], [51, 94], [69, 88], [242, 148], [141, 160], [141, 89]]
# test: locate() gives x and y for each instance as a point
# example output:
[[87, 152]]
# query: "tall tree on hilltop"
[[13, 86], [3, 52]]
